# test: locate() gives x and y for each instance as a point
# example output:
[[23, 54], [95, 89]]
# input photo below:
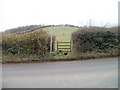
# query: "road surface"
[[99, 73]]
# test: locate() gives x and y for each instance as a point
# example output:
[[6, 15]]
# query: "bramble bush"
[[37, 42], [94, 39]]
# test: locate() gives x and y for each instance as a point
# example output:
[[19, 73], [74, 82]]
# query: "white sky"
[[15, 13]]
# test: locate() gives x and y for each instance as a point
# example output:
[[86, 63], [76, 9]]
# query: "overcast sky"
[[15, 13]]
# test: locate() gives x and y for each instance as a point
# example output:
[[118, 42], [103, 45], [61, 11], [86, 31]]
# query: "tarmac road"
[[99, 73]]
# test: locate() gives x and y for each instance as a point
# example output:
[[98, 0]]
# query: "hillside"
[[61, 33], [31, 28], [23, 29]]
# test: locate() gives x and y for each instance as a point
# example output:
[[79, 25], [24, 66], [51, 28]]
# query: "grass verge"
[[56, 56]]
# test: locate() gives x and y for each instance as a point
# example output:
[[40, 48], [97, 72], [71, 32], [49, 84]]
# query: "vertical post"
[[51, 39]]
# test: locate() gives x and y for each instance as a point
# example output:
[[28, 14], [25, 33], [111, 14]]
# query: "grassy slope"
[[62, 33]]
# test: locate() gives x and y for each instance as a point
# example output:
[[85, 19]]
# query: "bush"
[[92, 39], [37, 42]]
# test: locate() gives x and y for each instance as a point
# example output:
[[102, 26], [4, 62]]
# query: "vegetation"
[[23, 29], [23, 45], [62, 33], [33, 45], [0, 47], [31, 28], [95, 39]]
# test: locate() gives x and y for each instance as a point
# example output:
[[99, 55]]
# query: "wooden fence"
[[64, 46]]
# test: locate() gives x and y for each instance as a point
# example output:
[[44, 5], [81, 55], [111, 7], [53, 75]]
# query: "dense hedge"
[[94, 39], [37, 42]]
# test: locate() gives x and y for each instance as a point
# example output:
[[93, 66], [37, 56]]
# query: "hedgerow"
[[37, 42], [94, 39]]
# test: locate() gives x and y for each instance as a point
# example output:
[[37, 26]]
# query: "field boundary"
[[64, 46]]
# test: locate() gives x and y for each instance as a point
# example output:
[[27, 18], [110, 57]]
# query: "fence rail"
[[63, 42]]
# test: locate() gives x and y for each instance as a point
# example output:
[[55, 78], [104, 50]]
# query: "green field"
[[61, 33]]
